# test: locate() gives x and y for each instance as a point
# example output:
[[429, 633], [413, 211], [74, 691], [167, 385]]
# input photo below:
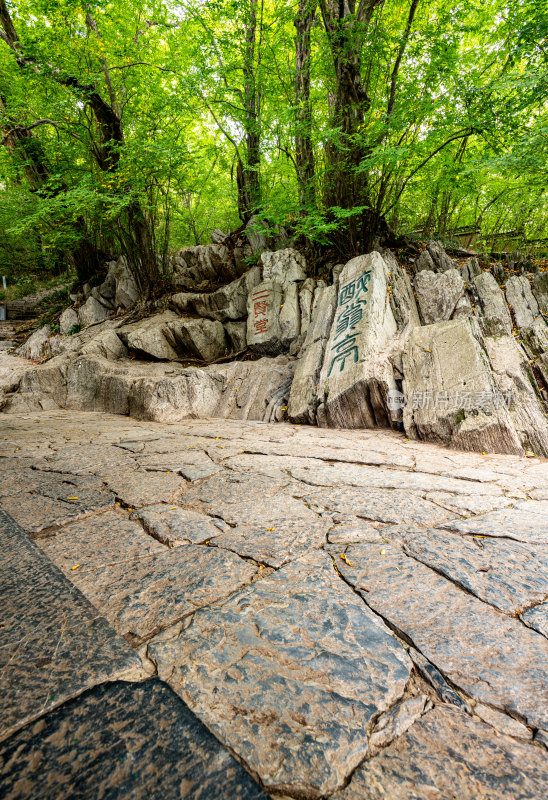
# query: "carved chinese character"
[[260, 307], [260, 325], [349, 317], [344, 348]]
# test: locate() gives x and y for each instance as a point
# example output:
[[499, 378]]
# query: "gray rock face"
[[448, 754], [495, 313], [438, 294], [147, 338], [237, 335], [470, 269], [424, 262], [540, 291], [104, 743], [204, 338], [290, 315], [107, 345], [283, 266], [48, 623], [303, 398], [516, 382], [120, 286], [522, 301], [227, 303], [306, 298], [256, 232], [451, 390], [196, 267], [263, 321], [440, 257], [68, 320], [36, 345], [355, 377], [296, 715], [91, 312], [489, 655]]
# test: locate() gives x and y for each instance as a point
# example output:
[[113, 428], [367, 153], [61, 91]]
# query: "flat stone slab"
[[53, 642], [447, 754], [124, 741], [277, 544], [94, 458], [174, 526], [38, 514], [145, 489], [466, 506], [490, 656], [526, 522], [509, 575], [357, 475], [141, 596], [252, 509], [97, 542], [537, 618], [289, 673], [382, 505], [233, 486]]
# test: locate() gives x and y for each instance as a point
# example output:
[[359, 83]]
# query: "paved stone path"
[[222, 609]]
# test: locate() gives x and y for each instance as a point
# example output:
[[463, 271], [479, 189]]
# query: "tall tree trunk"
[[304, 151], [346, 28], [249, 190]]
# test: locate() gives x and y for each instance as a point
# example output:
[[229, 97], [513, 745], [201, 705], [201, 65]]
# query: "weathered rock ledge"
[[441, 353]]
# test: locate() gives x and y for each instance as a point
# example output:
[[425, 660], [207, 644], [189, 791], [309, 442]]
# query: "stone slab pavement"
[[227, 609]]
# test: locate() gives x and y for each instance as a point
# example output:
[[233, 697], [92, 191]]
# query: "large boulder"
[[470, 269], [306, 297], [91, 312], [540, 290], [434, 258], [283, 266], [451, 391], [36, 346], [203, 338], [147, 338], [227, 303], [254, 389], [106, 344], [237, 335], [290, 315], [438, 294], [516, 382], [303, 398], [357, 374], [495, 314], [68, 320], [527, 315], [264, 335], [119, 287], [522, 301]]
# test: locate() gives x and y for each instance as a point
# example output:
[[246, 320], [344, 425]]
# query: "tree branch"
[[426, 160]]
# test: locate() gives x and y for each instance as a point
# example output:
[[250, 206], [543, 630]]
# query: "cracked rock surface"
[[234, 609]]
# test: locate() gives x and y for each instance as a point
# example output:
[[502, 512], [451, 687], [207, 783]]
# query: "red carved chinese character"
[[260, 325]]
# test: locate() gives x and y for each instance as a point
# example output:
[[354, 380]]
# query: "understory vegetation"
[[132, 127]]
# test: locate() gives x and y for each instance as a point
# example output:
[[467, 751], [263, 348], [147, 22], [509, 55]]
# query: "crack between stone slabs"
[[400, 634], [53, 529]]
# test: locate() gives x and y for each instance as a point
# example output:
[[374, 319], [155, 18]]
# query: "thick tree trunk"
[[249, 190], [304, 151]]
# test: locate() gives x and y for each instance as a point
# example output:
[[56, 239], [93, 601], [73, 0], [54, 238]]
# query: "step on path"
[[227, 609]]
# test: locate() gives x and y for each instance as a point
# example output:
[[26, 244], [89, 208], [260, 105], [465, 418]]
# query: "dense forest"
[[132, 127]]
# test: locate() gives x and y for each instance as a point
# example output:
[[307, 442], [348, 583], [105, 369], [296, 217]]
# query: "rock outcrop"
[[447, 352]]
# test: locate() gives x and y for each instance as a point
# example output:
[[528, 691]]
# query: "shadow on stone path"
[[225, 609]]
